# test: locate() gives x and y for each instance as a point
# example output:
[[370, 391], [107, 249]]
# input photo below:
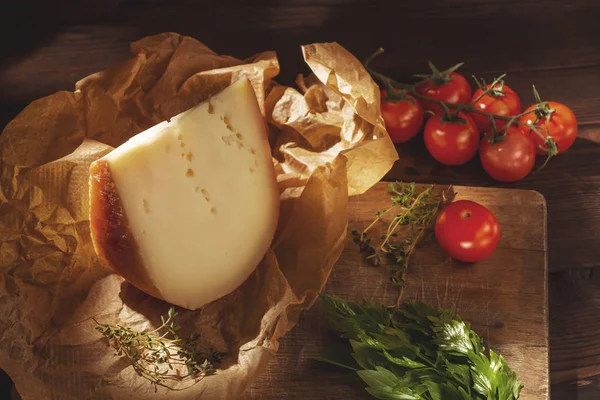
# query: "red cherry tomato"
[[510, 159], [561, 125], [507, 104], [456, 91], [403, 118], [467, 231], [451, 143]]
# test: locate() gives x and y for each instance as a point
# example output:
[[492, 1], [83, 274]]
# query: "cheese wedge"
[[186, 210]]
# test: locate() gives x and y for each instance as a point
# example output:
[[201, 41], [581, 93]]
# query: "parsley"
[[416, 352]]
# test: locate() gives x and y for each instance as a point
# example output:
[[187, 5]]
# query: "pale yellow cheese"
[[200, 197]]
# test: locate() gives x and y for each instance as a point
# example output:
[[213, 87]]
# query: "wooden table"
[[47, 46]]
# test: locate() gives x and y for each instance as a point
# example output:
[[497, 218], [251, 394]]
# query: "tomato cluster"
[[454, 135]]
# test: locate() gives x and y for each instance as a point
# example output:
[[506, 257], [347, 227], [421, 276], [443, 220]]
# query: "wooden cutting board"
[[504, 297]]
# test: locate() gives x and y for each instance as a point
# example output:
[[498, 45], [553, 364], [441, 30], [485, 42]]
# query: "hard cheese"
[[186, 210]]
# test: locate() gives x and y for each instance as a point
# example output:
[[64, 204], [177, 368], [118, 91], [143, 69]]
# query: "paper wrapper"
[[328, 142]]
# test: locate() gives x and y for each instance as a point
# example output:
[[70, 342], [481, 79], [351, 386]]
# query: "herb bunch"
[[415, 208], [416, 352], [161, 356]]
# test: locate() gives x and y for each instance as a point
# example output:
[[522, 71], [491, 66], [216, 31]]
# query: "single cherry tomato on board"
[[448, 86], [509, 159], [452, 142], [500, 100], [467, 231], [403, 117], [554, 119]]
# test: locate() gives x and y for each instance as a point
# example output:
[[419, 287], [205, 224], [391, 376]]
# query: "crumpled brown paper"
[[328, 141]]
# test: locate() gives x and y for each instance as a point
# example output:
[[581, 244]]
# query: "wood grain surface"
[[504, 297], [47, 45]]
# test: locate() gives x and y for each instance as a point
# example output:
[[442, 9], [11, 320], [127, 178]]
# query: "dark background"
[[554, 44]]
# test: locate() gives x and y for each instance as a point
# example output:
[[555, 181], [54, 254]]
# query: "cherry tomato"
[[561, 124], [403, 118], [456, 91], [467, 231], [451, 143], [507, 104], [510, 159]]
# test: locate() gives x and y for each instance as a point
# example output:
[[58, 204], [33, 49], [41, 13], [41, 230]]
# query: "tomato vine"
[[397, 91]]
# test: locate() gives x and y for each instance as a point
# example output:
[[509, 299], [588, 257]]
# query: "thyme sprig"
[[162, 356], [415, 208]]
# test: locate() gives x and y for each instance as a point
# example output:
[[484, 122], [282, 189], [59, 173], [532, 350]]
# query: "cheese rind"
[[199, 201], [113, 239]]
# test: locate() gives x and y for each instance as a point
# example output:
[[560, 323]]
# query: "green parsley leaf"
[[338, 354], [417, 352], [385, 385]]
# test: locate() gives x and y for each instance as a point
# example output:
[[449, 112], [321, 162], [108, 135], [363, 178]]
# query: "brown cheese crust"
[[112, 239]]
